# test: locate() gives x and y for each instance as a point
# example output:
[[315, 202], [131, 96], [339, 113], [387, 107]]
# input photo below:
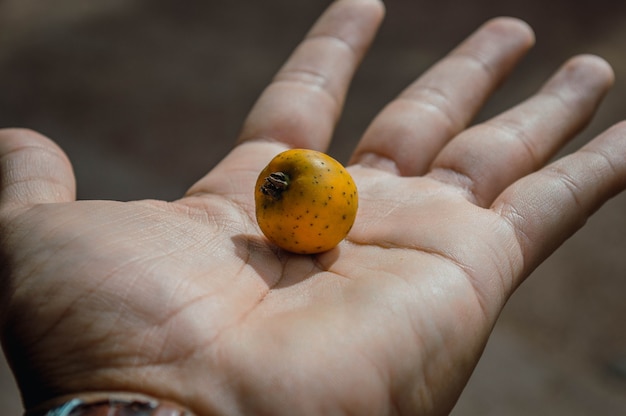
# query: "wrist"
[[110, 404]]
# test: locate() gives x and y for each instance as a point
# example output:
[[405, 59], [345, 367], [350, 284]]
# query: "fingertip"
[[33, 169], [582, 78], [377, 5], [512, 26], [593, 64], [353, 22], [17, 137], [380, 8]]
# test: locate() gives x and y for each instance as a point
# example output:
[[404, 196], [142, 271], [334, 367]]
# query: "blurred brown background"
[[146, 95]]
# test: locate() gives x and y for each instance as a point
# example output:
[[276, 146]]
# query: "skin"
[[187, 301]]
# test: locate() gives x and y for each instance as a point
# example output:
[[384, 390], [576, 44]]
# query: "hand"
[[187, 301]]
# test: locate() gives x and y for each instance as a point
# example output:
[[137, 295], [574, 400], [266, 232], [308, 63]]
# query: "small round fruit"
[[306, 201]]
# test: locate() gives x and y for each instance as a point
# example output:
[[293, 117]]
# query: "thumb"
[[33, 170]]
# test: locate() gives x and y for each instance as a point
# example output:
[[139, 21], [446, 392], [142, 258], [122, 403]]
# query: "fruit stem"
[[275, 185]]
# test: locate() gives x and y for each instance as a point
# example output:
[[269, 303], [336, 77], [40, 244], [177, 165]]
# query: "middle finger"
[[407, 135]]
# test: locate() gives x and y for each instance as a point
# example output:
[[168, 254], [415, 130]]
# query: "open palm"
[[187, 300]]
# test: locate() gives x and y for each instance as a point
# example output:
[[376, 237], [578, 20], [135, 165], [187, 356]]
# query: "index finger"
[[302, 104]]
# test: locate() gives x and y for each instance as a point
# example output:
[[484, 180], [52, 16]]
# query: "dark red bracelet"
[[109, 404]]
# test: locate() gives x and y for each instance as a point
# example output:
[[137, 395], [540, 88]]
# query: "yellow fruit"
[[306, 201]]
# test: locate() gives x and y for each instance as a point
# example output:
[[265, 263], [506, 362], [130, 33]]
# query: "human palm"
[[187, 300]]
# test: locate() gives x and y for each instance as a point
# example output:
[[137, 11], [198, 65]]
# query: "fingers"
[[487, 158], [547, 207], [302, 104], [33, 170], [412, 129]]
